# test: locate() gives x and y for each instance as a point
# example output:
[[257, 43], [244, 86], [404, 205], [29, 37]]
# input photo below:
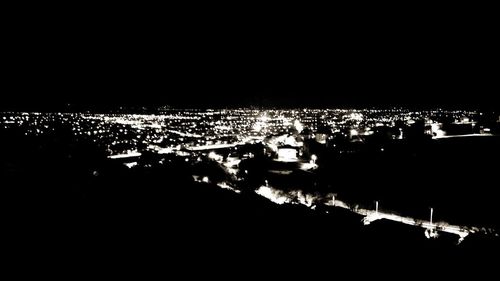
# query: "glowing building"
[[287, 154]]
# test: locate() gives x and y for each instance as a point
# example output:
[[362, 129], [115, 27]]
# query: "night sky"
[[326, 61]]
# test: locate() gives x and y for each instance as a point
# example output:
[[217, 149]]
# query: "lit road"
[[281, 197], [371, 215], [463, 136], [213, 146]]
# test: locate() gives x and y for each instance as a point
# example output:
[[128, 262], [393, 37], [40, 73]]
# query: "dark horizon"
[[265, 99]]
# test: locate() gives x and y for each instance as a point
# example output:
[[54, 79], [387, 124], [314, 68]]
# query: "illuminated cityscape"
[[260, 150], [173, 129], [250, 139]]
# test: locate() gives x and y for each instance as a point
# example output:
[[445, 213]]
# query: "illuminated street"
[[279, 154]]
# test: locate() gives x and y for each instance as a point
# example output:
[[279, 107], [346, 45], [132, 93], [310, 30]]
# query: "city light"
[[272, 144], [298, 126], [287, 154], [314, 158]]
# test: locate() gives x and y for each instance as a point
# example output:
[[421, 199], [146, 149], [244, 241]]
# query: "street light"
[[314, 158]]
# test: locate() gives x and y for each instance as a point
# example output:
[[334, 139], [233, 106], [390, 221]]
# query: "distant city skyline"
[[261, 99]]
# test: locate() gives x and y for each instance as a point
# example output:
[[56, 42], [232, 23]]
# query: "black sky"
[[278, 59]]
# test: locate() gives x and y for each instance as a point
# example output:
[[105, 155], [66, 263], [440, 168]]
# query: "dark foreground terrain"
[[64, 198]]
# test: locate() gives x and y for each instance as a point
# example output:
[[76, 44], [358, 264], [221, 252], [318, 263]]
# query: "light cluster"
[[171, 128]]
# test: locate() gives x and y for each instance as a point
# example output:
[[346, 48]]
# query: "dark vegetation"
[[62, 194]]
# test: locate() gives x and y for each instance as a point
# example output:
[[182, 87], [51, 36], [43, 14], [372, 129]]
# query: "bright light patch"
[[228, 187], [165, 151], [308, 166], [436, 130], [223, 128], [290, 140], [272, 195], [232, 162], [431, 233], [257, 127], [131, 165], [264, 118], [356, 116], [298, 126], [313, 159], [287, 154], [125, 155], [214, 156], [305, 199]]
